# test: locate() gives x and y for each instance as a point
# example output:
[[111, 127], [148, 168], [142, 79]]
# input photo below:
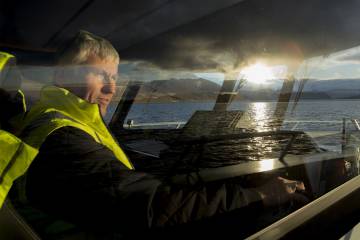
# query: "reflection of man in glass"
[[82, 175]]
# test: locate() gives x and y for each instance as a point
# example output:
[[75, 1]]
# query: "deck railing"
[[176, 125], [297, 123]]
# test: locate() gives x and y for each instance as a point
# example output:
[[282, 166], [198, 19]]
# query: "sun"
[[257, 73]]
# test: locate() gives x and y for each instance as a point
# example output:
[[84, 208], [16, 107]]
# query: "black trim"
[[67, 23]]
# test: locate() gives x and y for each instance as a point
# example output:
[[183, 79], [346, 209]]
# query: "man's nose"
[[109, 87]]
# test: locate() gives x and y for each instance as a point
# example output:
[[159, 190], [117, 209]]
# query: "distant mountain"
[[314, 95], [205, 90], [316, 89], [344, 94], [336, 88], [178, 90], [352, 97], [332, 85], [259, 95]]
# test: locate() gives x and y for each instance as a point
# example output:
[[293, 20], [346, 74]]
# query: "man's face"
[[100, 82]]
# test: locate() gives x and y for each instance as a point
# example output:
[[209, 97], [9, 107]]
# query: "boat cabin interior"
[[213, 91]]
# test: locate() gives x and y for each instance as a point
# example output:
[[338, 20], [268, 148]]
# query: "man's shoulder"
[[40, 121], [71, 132], [72, 139]]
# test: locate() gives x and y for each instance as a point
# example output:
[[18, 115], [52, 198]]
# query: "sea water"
[[309, 116]]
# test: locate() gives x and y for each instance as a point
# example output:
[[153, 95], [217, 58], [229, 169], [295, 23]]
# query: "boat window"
[[322, 87], [234, 92], [171, 101], [251, 91]]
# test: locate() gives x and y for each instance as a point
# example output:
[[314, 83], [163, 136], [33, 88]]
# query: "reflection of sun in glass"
[[266, 165], [257, 73]]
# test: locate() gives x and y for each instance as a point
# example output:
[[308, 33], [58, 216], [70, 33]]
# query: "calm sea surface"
[[307, 116], [314, 115]]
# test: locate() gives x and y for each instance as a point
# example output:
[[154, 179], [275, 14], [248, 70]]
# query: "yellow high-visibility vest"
[[15, 158], [15, 155], [5, 59], [59, 108]]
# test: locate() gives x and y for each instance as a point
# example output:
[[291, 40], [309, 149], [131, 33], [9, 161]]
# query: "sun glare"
[[257, 73]]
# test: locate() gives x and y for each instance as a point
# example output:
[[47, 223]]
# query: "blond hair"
[[84, 46]]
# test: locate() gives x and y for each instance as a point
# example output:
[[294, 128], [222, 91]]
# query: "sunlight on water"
[[260, 115]]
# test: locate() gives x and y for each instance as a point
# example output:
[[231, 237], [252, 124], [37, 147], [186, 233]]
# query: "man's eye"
[[101, 77], [115, 78]]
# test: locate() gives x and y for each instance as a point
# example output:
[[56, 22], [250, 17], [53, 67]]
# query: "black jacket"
[[77, 178]]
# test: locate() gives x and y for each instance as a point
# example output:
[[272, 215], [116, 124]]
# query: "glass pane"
[[249, 108]]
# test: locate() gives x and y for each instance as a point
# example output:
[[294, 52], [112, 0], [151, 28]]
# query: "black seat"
[[13, 226]]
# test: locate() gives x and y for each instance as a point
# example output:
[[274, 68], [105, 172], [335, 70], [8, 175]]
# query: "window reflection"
[[266, 165]]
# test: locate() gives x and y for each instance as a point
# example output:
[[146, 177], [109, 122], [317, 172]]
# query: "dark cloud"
[[255, 28]]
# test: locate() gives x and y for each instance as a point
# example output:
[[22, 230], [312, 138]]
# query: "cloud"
[[147, 71], [351, 55], [277, 30], [353, 58]]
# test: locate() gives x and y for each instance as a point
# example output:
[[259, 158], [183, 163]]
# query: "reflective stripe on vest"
[[73, 112], [15, 158], [21, 95], [4, 58]]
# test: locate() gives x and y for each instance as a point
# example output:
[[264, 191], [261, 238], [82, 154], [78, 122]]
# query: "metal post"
[[343, 137], [124, 105], [225, 95], [355, 122], [283, 102]]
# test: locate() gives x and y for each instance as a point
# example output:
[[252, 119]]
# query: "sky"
[[310, 38], [314, 39], [340, 65], [344, 64]]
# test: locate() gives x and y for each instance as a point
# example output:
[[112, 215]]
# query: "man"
[[12, 101], [14, 154], [83, 175]]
